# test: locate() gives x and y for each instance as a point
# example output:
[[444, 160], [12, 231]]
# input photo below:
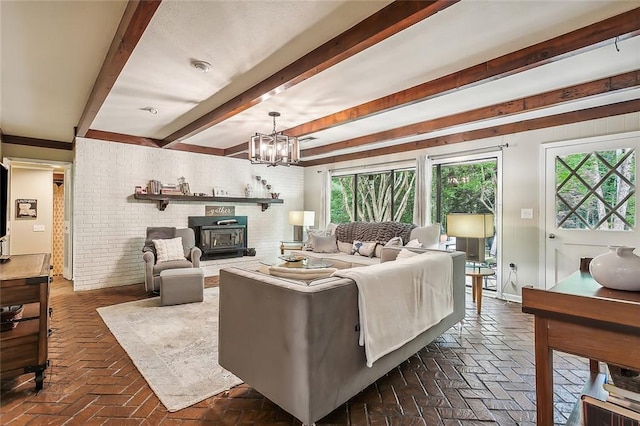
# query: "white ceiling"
[[52, 52]]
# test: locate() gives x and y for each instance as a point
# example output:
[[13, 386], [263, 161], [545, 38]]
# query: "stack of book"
[[623, 397], [170, 189], [622, 406]]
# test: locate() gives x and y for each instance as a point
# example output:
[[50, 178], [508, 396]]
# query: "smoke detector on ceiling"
[[201, 66]]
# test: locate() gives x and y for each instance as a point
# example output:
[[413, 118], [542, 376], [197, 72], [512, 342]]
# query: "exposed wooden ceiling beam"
[[622, 26], [388, 21], [504, 109], [122, 138], [198, 149], [135, 19], [153, 143], [234, 150], [40, 143], [500, 130]]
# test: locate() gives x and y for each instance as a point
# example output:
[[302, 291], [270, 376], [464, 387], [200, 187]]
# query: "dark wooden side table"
[[24, 280], [477, 275], [580, 317]]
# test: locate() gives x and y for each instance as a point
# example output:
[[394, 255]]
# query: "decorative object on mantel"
[[171, 189], [219, 210], [274, 149], [248, 191], [220, 192], [275, 195], [618, 269], [184, 186], [154, 186]]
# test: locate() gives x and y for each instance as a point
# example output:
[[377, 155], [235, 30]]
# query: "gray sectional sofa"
[[297, 344]]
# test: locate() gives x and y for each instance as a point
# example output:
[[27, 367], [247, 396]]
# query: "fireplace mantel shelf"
[[163, 200]]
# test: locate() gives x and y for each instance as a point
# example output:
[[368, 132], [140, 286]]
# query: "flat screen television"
[[4, 194]]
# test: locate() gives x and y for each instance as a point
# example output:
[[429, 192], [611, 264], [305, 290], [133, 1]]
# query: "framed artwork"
[[26, 208]]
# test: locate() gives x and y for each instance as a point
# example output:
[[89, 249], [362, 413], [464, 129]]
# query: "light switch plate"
[[38, 228], [526, 213]]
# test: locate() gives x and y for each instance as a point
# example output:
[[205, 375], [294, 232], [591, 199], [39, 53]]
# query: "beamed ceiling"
[[352, 79]]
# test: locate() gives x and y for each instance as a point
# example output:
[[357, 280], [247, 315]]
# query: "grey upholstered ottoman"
[[182, 285]]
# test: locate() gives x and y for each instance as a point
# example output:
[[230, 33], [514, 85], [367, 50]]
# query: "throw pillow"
[[324, 244], [364, 248], [168, 250], [310, 234], [394, 242], [404, 254], [413, 244], [344, 247]]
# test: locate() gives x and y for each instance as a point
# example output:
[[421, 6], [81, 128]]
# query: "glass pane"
[[373, 202], [403, 195], [465, 188], [342, 197], [596, 190]]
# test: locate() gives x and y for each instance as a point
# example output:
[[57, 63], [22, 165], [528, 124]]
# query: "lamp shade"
[[302, 218], [470, 225]]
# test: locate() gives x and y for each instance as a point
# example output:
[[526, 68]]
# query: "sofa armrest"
[[194, 256], [149, 260]]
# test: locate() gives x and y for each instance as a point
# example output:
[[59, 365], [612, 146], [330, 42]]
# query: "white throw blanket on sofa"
[[401, 299]]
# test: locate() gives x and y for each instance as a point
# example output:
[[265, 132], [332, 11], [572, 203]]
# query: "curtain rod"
[[370, 166], [469, 151]]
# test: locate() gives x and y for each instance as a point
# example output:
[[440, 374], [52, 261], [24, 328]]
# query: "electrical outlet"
[[513, 267]]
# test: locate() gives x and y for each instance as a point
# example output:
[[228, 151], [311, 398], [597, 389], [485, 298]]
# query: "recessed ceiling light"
[[201, 66], [151, 110]]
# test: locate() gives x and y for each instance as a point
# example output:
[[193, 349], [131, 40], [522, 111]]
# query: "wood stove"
[[220, 236]]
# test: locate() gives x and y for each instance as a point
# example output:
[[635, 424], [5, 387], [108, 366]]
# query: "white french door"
[[590, 201]]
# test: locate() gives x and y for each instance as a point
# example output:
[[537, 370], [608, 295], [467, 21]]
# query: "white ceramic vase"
[[619, 269]]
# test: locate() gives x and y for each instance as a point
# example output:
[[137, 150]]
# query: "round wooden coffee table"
[[477, 275]]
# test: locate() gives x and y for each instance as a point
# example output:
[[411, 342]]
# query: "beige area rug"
[[174, 347]]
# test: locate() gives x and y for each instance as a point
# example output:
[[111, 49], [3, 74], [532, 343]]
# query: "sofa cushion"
[[325, 244], [170, 249], [171, 264], [364, 248]]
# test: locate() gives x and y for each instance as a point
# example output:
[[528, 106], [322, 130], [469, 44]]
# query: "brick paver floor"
[[485, 376]]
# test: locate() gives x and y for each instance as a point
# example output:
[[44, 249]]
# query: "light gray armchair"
[[152, 269]]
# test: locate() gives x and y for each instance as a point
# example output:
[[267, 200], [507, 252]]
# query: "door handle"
[[552, 236]]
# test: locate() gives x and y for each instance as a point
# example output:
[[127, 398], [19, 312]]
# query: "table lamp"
[[471, 230], [300, 221]]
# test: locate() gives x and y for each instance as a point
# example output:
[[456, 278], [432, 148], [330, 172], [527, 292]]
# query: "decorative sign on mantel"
[[220, 211]]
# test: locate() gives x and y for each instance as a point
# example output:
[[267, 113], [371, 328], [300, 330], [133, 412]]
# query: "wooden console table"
[[24, 280], [580, 317]]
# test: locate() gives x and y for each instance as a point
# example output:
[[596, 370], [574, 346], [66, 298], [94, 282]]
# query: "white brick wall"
[[109, 224]]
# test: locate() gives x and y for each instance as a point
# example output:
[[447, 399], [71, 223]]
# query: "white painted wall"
[[109, 224], [521, 189], [31, 182]]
